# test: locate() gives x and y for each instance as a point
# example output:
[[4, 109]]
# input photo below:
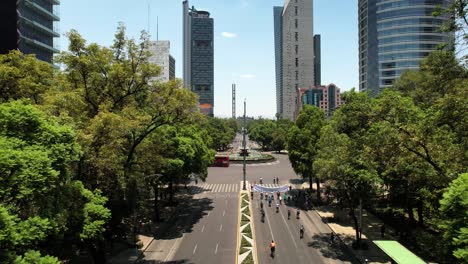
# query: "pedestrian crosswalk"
[[214, 188], [223, 187]]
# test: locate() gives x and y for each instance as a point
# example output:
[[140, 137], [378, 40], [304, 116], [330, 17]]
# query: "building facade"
[[160, 55], [327, 98], [30, 26], [198, 53], [294, 53], [394, 36]]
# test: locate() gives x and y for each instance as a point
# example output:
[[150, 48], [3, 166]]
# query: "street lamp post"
[[244, 151]]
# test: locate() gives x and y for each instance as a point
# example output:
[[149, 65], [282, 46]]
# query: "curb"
[[337, 236]]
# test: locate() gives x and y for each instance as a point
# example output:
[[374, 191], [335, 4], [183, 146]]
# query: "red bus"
[[221, 161]]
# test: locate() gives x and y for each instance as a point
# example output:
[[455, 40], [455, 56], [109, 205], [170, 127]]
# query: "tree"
[[172, 155], [23, 76], [303, 138], [454, 213], [280, 134], [222, 132], [340, 163], [261, 132], [39, 200]]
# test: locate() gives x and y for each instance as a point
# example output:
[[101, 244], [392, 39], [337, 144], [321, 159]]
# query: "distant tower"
[[198, 54], [294, 53], [233, 100]]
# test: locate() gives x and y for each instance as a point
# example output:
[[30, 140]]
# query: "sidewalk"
[[132, 255], [343, 226]]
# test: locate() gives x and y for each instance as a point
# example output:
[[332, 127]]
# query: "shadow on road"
[[296, 181], [189, 212], [182, 261], [335, 250]]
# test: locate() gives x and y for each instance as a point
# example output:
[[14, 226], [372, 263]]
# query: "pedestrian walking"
[[301, 232], [277, 180], [332, 237]]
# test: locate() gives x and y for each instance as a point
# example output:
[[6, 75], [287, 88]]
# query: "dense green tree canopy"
[[38, 198], [302, 143], [454, 210]]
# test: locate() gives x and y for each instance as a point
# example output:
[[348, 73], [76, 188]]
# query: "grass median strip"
[[246, 247]]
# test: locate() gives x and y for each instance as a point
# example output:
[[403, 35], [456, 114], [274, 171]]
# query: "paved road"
[[206, 231]]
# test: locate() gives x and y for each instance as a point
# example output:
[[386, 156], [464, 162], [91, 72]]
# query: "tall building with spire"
[[30, 27], [394, 36], [198, 56], [294, 53]]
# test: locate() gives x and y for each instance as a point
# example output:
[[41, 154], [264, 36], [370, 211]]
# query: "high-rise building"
[[394, 36], [160, 55], [294, 53], [198, 53], [30, 27], [327, 98], [317, 61]]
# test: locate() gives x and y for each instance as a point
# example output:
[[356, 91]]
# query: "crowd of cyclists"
[[292, 198]]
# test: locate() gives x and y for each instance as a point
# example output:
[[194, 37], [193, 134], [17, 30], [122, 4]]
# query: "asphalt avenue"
[[205, 228]]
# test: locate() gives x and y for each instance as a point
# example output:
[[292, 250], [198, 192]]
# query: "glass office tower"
[[394, 36], [30, 26], [198, 56]]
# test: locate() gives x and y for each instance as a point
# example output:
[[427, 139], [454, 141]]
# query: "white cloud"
[[247, 76], [228, 34]]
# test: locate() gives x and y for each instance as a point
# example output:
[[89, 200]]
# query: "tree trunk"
[[171, 191], [409, 209], [310, 183], [156, 215], [356, 226], [420, 213], [319, 200]]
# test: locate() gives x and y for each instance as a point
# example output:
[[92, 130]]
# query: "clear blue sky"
[[244, 53]]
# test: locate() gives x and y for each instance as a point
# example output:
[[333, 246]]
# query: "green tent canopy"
[[398, 252]]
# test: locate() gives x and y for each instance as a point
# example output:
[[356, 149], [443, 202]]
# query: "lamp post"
[[244, 151]]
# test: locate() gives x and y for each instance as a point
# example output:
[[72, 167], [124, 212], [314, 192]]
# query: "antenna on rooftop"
[[157, 29], [148, 25]]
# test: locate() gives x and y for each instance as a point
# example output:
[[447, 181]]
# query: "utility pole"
[[244, 151], [234, 100]]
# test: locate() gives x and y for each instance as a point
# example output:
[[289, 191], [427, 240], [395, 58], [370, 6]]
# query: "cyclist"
[[272, 248], [301, 232], [277, 207], [280, 200], [261, 180], [261, 205], [263, 216], [297, 214], [289, 214]]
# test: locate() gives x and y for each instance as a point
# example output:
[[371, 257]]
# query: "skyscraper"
[[29, 26], [160, 55], [327, 98], [294, 52], [394, 36], [198, 56]]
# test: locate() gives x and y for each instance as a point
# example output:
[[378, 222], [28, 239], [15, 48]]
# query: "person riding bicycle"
[[297, 214], [263, 216], [289, 214], [301, 231], [272, 247], [277, 207], [261, 204]]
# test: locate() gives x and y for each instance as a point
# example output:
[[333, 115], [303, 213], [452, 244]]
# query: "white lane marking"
[[224, 212], [203, 228], [176, 244], [220, 227], [289, 230], [195, 249], [216, 250], [269, 226]]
